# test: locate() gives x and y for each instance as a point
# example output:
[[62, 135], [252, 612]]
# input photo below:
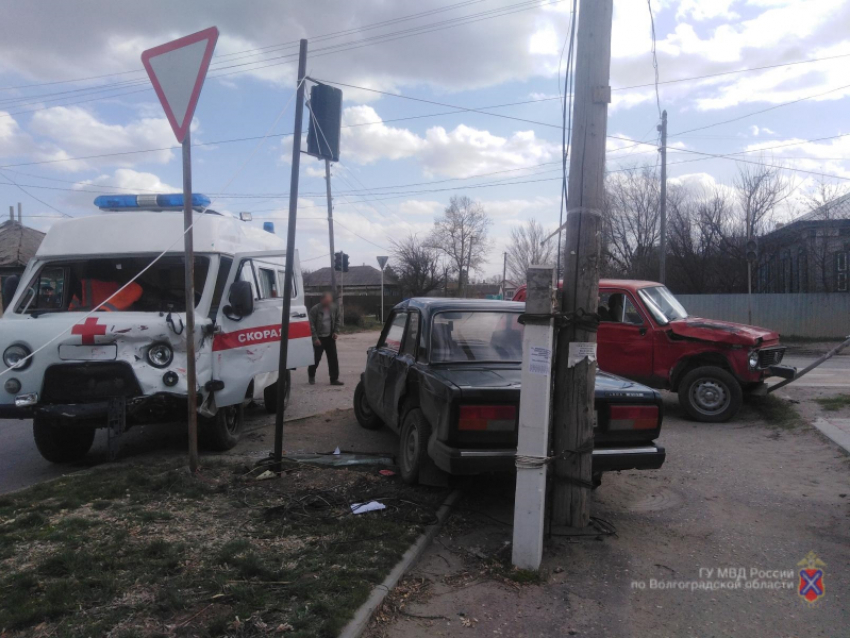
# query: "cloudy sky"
[[78, 117]]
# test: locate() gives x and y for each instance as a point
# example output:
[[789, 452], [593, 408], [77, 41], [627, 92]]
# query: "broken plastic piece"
[[337, 451], [265, 476], [386, 472]]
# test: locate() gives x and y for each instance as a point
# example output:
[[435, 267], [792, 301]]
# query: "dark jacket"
[[316, 319]]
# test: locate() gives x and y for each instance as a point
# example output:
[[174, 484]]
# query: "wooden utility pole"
[[330, 225], [575, 376], [662, 244], [189, 283]]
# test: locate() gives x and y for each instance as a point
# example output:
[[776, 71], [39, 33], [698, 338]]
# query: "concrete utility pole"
[[504, 273], [662, 248], [20, 215], [330, 225], [575, 375], [290, 257], [534, 405], [468, 270]]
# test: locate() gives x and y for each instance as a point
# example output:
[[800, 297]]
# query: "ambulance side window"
[[46, 292], [268, 285], [281, 278]]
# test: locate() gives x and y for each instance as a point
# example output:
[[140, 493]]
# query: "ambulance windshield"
[[81, 285]]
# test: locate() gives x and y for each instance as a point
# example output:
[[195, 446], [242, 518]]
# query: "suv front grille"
[[770, 357], [89, 382]]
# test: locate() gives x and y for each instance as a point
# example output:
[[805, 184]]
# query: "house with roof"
[[808, 254], [18, 244]]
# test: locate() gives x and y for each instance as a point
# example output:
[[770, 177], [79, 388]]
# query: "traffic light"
[[338, 261], [344, 262], [752, 250]]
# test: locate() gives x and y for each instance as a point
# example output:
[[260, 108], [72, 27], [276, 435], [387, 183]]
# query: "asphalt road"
[[21, 464]]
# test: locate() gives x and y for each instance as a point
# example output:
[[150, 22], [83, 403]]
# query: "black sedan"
[[445, 375]]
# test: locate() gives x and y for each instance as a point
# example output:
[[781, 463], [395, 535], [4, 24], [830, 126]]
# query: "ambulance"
[[73, 371]]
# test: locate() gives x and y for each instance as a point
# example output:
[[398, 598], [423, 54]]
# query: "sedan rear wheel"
[[710, 394], [413, 446], [366, 417]]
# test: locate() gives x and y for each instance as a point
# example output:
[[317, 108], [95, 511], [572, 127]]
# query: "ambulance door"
[[248, 347]]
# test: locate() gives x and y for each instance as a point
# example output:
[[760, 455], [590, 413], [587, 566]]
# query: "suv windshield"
[[662, 304], [476, 336], [79, 286]]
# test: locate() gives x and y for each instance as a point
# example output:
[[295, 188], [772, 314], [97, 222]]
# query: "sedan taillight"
[[487, 418], [633, 417]]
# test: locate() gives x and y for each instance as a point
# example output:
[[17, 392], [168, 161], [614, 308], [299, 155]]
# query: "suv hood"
[[722, 332]]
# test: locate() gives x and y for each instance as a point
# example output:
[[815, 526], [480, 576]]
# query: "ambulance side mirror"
[[241, 300]]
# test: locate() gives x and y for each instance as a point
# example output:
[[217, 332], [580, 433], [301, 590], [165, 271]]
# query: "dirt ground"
[[742, 495]]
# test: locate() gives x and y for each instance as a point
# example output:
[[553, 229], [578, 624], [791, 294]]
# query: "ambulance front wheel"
[[270, 395], [223, 431], [60, 444]]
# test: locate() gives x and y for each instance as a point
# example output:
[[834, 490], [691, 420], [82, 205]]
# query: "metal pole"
[[468, 270], [575, 375], [534, 405], [342, 294], [330, 225], [189, 251], [662, 248], [749, 272], [382, 296], [504, 272], [290, 257]]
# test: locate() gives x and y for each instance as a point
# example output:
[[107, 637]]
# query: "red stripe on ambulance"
[[255, 336]]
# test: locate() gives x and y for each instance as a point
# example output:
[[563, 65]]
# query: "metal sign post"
[[290, 258], [382, 262], [177, 71]]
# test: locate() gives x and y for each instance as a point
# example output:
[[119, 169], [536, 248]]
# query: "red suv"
[[645, 334]]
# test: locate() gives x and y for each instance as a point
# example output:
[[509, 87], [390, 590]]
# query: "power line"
[[654, 55]]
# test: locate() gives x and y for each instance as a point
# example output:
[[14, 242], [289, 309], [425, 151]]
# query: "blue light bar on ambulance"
[[123, 203]]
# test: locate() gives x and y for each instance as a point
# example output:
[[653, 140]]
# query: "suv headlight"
[[15, 356], [160, 355], [754, 359]]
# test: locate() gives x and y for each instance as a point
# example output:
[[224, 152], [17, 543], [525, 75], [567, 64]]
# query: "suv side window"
[[411, 339], [392, 340]]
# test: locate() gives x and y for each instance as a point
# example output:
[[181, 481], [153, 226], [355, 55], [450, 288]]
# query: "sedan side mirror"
[[241, 300]]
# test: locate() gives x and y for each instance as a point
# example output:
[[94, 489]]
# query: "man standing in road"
[[324, 324]]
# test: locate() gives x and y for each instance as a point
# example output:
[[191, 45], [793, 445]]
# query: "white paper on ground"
[[371, 506], [580, 350]]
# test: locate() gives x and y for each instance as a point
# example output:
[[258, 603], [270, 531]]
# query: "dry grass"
[[148, 550]]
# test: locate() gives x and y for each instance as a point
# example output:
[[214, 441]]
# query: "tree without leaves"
[[527, 249], [461, 235], [416, 266]]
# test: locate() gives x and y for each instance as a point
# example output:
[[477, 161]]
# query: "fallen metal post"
[[534, 418], [811, 367]]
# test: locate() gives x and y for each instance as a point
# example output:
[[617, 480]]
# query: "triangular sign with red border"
[[177, 70]]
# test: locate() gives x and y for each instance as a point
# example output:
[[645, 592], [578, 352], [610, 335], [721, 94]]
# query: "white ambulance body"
[[126, 363]]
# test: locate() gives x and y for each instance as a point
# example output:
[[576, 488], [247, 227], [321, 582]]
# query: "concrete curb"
[[362, 616], [838, 435]]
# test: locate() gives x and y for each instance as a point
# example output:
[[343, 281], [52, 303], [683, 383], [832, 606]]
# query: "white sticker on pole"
[[579, 351], [539, 360], [177, 70]]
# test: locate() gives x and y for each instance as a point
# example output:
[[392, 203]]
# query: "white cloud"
[[461, 152], [80, 133], [126, 179]]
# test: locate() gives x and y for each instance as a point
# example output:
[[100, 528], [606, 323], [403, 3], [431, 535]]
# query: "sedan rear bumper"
[[459, 461]]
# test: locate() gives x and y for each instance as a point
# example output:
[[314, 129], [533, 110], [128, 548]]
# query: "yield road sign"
[[177, 70], [382, 261]]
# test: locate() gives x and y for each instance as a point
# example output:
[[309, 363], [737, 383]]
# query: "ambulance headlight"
[[16, 357], [160, 355]]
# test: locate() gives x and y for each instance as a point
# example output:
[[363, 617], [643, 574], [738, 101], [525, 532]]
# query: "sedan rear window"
[[476, 336]]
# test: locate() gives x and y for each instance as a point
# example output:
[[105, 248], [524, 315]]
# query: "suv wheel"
[[270, 394], [366, 417], [413, 446], [61, 444], [710, 394], [223, 431]]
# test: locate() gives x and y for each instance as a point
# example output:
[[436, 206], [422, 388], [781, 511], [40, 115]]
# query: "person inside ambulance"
[[96, 286]]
